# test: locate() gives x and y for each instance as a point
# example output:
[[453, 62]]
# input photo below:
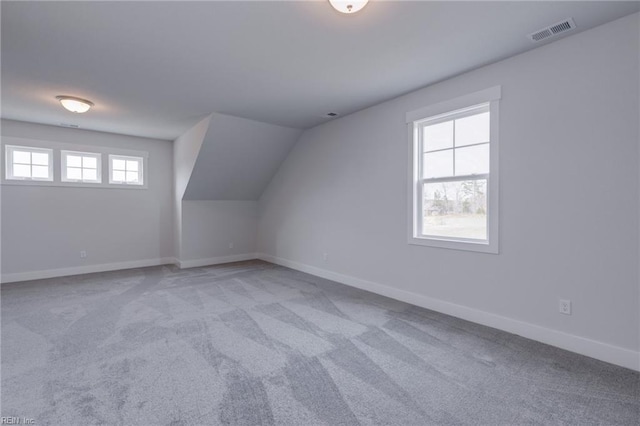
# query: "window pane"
[[118, 164], [132, 165], [74, 173], [472, 160], [455, 209], [20, 170], [438, 164], [41, 172], [22, 157], [89, 174], [74, 161], [89, 162], [438, 136], [40, 158], [117, 176], [132, 176], [473, 129]]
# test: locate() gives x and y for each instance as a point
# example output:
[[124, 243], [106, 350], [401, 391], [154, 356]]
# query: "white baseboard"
[[215, 260], [592, 348], [88, 269]]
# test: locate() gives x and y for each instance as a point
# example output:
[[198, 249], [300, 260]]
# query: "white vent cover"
[[552, 30]]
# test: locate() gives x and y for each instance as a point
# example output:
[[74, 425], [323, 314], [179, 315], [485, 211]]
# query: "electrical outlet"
[[83, 254], [231, 245], [325, 257], [565, 306]]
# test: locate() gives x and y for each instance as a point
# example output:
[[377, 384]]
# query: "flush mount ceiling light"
[[74, 104], [348, 6]]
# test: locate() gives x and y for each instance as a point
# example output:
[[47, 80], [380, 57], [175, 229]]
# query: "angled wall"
[[222, 165], [238, 158]]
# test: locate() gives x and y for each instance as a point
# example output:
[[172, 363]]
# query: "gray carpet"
[[252, 343]]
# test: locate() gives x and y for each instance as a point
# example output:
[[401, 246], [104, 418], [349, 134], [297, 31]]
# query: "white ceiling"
[[155, 68]]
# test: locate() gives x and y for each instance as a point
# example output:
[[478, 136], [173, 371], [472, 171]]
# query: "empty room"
[[320, 212]]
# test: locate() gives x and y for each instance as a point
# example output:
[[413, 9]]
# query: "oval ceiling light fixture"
[[348, 6], [74, 104]]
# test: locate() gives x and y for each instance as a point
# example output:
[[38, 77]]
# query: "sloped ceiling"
[[238, 158]]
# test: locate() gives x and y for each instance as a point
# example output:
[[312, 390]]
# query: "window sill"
[[70, 184], [480, 247]]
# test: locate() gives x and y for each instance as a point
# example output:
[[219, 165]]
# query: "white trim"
[[482, 96], [195, 263], [581, 345], [88, 269]]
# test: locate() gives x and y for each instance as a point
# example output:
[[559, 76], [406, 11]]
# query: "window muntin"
[[126, 170], [28, 163], [453, 173], [455, 163], [81, 167]]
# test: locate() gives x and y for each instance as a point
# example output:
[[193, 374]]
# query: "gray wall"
[[45, 227], [209, 227], [237, 158], [569, 194]]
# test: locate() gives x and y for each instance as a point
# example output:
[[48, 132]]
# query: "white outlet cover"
[[565, 306]]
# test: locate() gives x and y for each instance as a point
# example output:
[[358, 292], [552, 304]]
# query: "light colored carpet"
[[252, 343]]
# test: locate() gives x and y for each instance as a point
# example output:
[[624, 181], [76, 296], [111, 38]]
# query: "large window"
[[81, 167], [454, 183], [28, 163], [126, 170]]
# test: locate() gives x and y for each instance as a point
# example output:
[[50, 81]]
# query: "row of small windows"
[[36, 164]]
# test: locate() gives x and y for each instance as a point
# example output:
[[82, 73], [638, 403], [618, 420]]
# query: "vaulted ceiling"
[[156, 68]]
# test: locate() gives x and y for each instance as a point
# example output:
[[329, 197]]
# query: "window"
[[27, 163], [454, 173], [81, 167], [126, 170]]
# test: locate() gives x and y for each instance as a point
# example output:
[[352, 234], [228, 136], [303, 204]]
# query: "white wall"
[[185, 153], [209, 227], [44, 228], [569, 200]]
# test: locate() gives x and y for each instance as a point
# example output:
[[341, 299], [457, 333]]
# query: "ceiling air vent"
[[552, 30]]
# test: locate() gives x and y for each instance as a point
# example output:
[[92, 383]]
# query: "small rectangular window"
[[81, 167], [28, 163], [126, 170], [454, 173]]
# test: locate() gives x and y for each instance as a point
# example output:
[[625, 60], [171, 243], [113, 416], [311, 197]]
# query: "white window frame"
[[63, 166], [141, 167], [415, 121], [10, 149]]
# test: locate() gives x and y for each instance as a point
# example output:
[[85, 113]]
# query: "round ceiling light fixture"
[[348, 6], [74, 104]]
